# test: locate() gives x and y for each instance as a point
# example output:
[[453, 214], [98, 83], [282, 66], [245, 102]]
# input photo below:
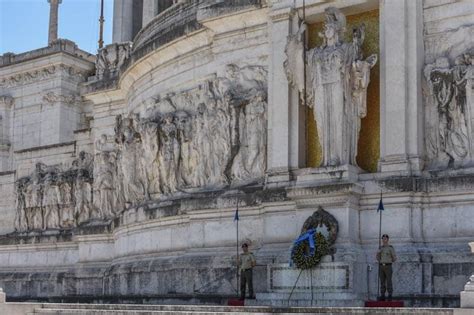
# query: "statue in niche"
[[168, 154], [337, 80], [449, 130]]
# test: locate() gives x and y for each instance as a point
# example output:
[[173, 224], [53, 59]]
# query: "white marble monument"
[[121, 170]]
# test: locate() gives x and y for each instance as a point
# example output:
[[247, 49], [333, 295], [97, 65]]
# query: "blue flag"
[[380, 208], [236, 216]]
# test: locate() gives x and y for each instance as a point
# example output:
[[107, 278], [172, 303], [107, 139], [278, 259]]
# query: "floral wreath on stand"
[[312, 244]]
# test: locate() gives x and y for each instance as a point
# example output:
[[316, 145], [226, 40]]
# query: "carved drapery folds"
[[51, 198], [337, 77], [111, 58], [449, 111], [209, 136]]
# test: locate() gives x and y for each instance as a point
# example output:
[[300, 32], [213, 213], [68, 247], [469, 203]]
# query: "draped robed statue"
[[337, 77]]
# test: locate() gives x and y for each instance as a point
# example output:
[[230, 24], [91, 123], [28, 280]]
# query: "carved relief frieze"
[[206, 137], [42, 74], [52, 98], [52, 198]]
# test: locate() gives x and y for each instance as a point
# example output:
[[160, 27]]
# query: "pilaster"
[[401, 60], [279, 95]]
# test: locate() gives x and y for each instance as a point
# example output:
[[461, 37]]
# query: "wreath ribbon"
[[308, 235]]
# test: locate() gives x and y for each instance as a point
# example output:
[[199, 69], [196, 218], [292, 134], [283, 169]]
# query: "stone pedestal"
[[346, 173], [329, 284], [467, 296]]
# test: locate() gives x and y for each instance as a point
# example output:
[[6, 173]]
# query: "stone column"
[[53, 20], [2, 296], [150, 10], [401, 64], [123, 21]]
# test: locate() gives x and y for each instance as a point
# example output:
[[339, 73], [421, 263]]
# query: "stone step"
[[119, 309]]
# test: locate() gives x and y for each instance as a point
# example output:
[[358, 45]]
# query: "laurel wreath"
[[300, 252]]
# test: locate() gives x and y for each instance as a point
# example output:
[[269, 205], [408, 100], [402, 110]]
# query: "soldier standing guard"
[[246, 263], [386, 256]]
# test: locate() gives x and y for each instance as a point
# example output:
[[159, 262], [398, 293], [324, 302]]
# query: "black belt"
[[388, 264], [247, 269]]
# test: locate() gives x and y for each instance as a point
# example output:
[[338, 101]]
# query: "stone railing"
[[60, 45]]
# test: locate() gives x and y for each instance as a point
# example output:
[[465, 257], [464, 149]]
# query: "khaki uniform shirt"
[[247, 261], [386, 254]]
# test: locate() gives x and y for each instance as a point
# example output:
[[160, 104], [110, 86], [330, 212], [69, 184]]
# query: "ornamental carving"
[[42, 74], [337, 77], [324, 222], [111, 58], [52, 98], [52, 198], [449, 111], [207, 137]]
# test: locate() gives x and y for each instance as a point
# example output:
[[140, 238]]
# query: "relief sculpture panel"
[[207, 137], [449, 112], [53, 198]]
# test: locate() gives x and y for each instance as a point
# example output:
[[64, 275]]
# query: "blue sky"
[[24, 24]]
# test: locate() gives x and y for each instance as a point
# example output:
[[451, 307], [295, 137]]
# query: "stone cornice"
[[45, 147]]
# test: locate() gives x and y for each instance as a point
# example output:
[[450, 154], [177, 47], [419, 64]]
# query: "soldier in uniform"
[[246, 262], [386, 256]]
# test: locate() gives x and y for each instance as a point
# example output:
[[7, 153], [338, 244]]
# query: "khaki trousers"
[[385, 272], [246, 277]]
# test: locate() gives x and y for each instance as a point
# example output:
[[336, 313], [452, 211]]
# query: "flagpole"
[[380, 210], [237, 243]]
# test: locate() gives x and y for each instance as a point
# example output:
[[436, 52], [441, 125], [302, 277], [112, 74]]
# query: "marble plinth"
[[347, 173]]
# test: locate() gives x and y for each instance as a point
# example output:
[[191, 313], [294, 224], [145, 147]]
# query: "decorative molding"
[[46, 147], [52, 98], [42, 74], [6, 101]]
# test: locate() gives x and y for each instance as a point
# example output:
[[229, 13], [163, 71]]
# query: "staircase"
[[129, 309]]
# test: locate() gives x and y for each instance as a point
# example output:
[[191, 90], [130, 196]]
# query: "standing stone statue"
[[336, 83], [21, 221], [51, 200], [169, 153]]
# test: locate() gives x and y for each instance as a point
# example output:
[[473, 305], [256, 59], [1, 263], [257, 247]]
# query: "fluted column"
[[53, 20]]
